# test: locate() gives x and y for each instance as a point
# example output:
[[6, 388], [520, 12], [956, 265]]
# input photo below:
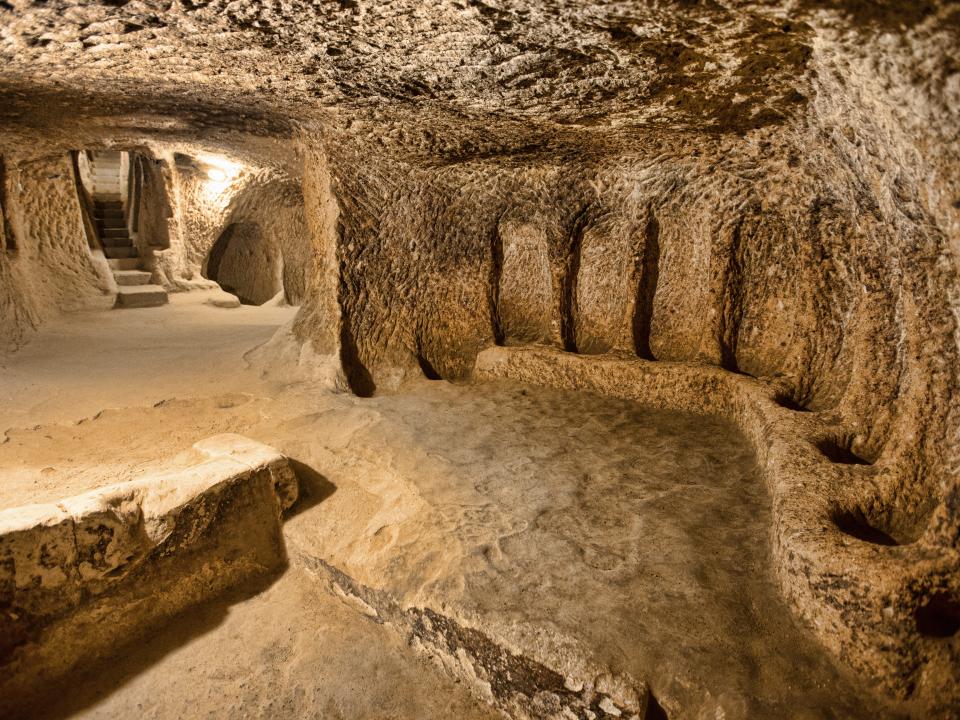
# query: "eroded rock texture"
[[45, 262], [767, 188]]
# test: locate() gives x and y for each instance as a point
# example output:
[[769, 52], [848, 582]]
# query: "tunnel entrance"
[[243, 264], [110, 191], [109, 170]]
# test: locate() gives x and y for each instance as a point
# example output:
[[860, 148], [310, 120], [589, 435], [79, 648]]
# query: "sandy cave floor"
[[291, 651], [638, 538]]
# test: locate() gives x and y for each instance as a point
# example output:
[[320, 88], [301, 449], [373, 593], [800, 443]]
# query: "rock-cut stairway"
[[133, 283], [134, 289]]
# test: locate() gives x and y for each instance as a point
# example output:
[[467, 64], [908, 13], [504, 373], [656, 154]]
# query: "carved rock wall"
[[46, 262]]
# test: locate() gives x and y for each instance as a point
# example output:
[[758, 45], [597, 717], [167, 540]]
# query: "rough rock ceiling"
[[666, 63], [524, 72]]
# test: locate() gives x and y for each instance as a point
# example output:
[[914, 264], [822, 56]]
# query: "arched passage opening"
[[244, 263]]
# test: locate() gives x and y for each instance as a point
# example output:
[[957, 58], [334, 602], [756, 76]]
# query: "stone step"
[[120, 232], [117, 242], [108, 205], [128, 278], [114, 253], [112, 216], [137, 296], [110, 223], [123, 263]]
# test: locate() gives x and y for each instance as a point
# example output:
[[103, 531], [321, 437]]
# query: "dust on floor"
[[640, 536]]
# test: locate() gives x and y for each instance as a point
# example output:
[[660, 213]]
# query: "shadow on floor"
[[88, 685], [314, 488]]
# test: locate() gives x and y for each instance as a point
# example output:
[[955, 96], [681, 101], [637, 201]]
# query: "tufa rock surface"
[[734, 207]]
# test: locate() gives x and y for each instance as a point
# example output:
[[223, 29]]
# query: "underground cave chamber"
[[479, 360]]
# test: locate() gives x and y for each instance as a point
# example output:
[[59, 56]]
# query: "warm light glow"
[[221, 172]]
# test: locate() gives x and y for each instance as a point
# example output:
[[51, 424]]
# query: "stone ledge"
[[513, 679], [81, 575]]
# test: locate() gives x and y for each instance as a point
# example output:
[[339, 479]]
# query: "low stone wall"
[[82, 576]]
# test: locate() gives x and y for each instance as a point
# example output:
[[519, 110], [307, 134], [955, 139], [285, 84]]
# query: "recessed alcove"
[[786, 400], [855, 524], [839, 452], [938, 616]]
